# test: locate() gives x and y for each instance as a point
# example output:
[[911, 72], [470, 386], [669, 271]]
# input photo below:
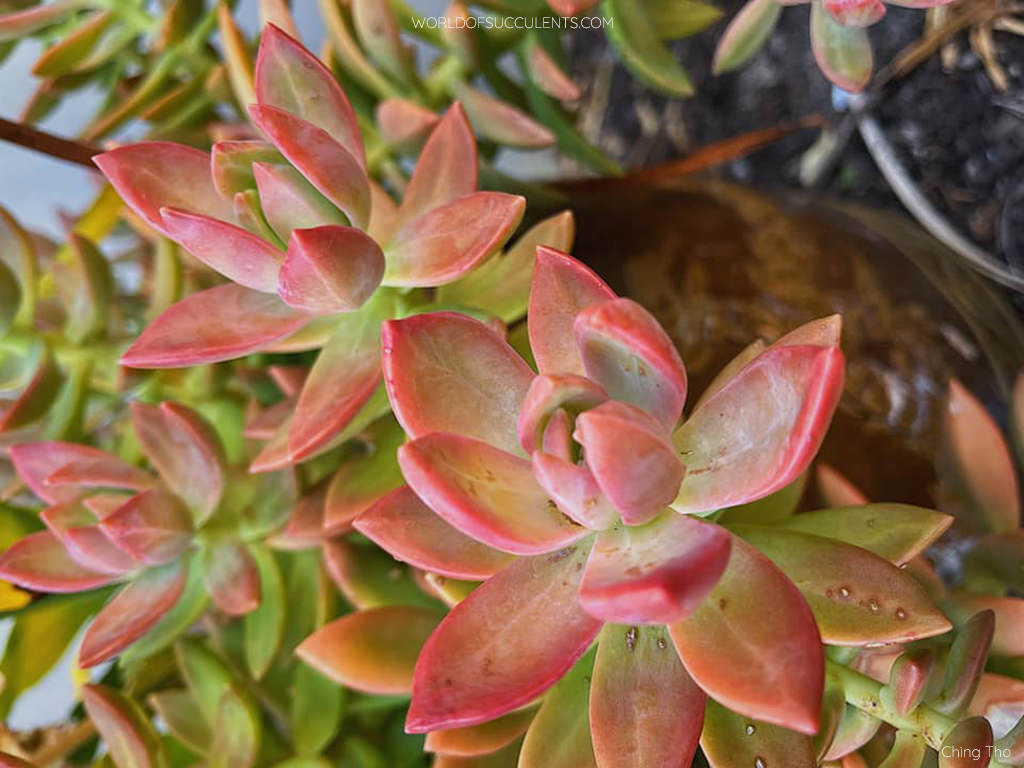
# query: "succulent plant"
[[596, 517], [839, 35]]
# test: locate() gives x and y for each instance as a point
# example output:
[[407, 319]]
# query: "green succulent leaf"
[[634, 36]]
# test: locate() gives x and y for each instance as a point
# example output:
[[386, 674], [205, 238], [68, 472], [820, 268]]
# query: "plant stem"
[[48, 144], [866, 694]]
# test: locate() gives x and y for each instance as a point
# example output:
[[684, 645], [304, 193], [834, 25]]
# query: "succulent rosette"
[[839, 35], [172, 539], [593, 511], [318, 254]]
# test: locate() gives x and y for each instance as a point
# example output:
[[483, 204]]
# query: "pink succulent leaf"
[[447, 372], [508, 642], [328, 165], [288, 378], [103, 504], [761, 430], [855, 13], [35, 463], [656, 573], [502, 283], [562, 287], [124, 728], [645, 710], [264, 424], [153, 527], [404, 124], [919, 3], [728, 373], [289, 77], [632, 458], [410, 531], [479, 741], [981, 460], [446, 242], [91, 548], [822, 332], [59, 518], [549, 76], [236, 253], [103, 471], [341, 382], [232, 577], [836, 490], [330, 269], [133, 612], [233, 164], [274, 454], [557, 438], [151, 175], [36, 396], [290, 202], [23, 22], [753, 645], [446, 168], [574, 489], [549, 393], [40, 562], [217, 324], [186, 452], [626, 351], [843, 53], [486, 493], [502, 122], [372, 650]]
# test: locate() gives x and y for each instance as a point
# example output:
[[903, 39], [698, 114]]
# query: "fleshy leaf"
[[761, 430], [341, 382], [627, 352], [502, 283], [482, 739], [40, 562], [290, 202], [561, 288], [502, 122], [446, 168], [35, 463], [185, 450], [132, 613], [486, 493], [373, 650], [404, 124], [329, 166], [836, 490], [124, 727], [410, 531], [559, 736], [843, 53], [290, 78], [102, 471], [653, 574], [1008, 639], [753, 646], [217, 324], [151, 175], [370, 578], [330, 269], [449, 373], [232, 577], [855, 13], [236, 253], [631, 458], [530, 615], [982, 461], [645, 710], [153, 527], [573, 488], [856, 596], [445, 243], [233, 164], [896, 532], [91, 548], [746, 34], [632, 33], [363, 480], [731, 740], [549, 76]]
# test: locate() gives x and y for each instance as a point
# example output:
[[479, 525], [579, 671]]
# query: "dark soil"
[[960, 139]]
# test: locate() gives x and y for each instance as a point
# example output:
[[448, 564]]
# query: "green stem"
[[867, 695]]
